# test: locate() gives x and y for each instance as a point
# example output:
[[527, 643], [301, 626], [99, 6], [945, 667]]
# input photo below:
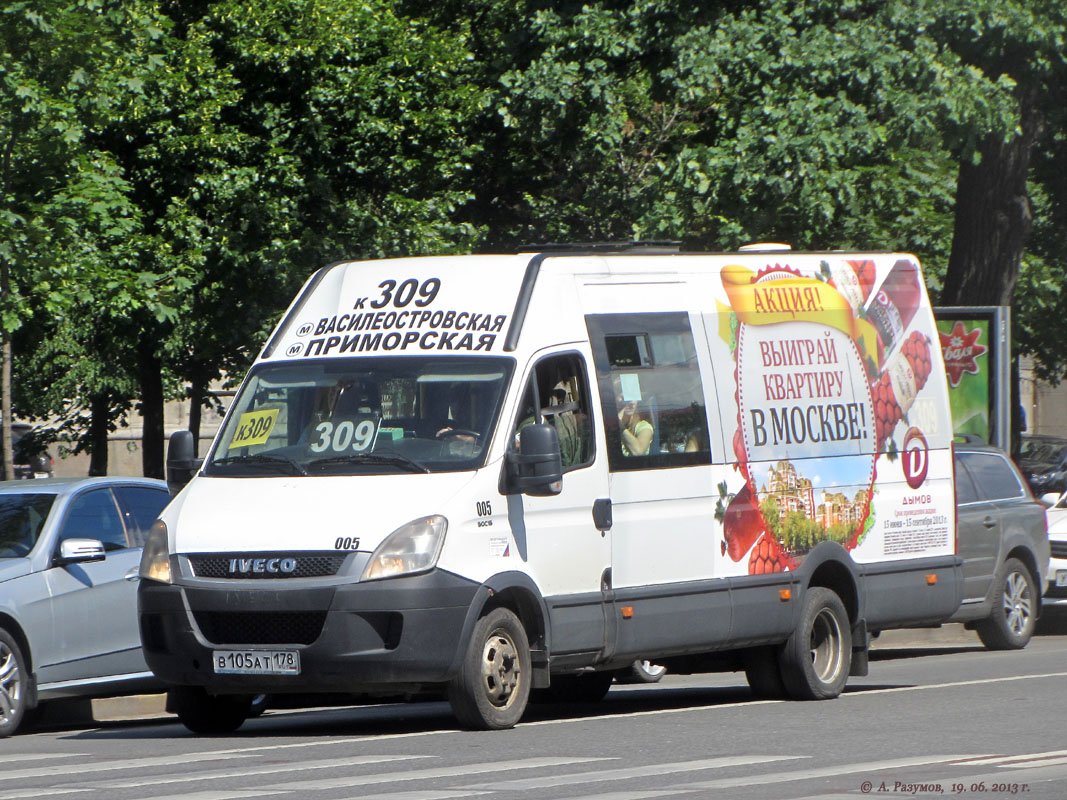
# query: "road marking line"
[[41, 756], [432, 773], [298, 766], [819, 772], [418, 795], [625, 773], [1037, 763], [1005, 759], [106, 766]]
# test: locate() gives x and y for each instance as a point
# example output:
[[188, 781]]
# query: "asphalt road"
[[937, 715]]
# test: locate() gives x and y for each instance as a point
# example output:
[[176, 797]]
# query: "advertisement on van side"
[[837, 378]]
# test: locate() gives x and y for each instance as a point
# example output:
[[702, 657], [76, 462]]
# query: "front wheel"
[[13, 677], [1014, 617], [493, 685], [815, 659], [203, 713]]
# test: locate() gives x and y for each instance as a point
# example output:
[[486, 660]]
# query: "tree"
[[64, 213]]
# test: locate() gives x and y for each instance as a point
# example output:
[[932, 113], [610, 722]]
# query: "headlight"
[[155, 557], [411, 548]]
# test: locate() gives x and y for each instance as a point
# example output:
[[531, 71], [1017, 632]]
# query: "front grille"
[[260, 627], [308, 565], [1059, 549]]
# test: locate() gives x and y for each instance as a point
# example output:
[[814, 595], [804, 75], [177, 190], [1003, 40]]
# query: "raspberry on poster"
[[889, 406], [768, 556]]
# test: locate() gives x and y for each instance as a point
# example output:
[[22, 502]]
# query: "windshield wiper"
[[262, 459], [395, 459]]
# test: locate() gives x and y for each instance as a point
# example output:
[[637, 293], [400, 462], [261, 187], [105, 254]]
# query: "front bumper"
[[1057, 571], [376, 636]]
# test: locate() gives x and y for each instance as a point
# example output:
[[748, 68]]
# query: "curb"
[[140, 706]]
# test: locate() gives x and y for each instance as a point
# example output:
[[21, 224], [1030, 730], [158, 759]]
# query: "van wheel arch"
[[516, 592], [831, 567]]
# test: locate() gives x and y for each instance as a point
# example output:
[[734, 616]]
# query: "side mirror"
[[1049, 500], [79, 551], [537, 468], [181, 461]]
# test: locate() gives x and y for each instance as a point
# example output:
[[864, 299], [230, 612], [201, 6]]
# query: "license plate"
[[256, 662], [1061, 577]]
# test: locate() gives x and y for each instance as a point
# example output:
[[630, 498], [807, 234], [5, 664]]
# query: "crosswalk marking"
[[106, 766], [1033, 768], [432, 773], [627, 773], [822, 772], [40, 756], [271, 769]]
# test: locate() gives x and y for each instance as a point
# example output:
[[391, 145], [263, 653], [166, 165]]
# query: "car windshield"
[[362, 416], [1043, 450], [22, 517]]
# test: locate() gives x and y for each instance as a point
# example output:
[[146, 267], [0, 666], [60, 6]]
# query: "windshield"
[[1043, 450], [22, 517], [362, 416]]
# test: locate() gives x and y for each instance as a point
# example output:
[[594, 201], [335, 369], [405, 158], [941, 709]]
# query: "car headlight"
[[155, 557], [414, 547]]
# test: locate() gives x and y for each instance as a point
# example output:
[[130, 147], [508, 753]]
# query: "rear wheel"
[[641, 671], [13, 677], [815, 659], [493, 685], [203, 713], [1014, 617]]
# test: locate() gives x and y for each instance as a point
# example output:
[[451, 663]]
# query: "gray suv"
[[1002, 537]]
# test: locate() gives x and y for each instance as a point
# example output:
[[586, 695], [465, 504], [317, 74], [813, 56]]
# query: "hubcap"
[[10, 683], [826, 647], [500, 669], [1017, 603]]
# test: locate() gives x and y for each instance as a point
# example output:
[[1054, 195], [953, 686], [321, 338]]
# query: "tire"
[[1011, 624], [764, 674], [493, 685], [14, 677], [203, 713], [816, 658], [258, 705], [641, 671]]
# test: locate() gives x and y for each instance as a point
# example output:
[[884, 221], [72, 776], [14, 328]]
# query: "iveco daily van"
[[486, 475]]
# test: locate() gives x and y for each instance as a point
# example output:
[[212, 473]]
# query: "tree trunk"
[[99, 428], [992, 219], [149, 369], [5, 397], [196, 409]]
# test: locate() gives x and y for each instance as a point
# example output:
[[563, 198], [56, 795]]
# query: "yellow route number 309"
[[254, 427]]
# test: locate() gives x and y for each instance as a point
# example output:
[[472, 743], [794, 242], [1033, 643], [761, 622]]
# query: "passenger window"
[[94, 515], [965, 491], [141, 506], [993, 477], [650, 390], [558, 393]]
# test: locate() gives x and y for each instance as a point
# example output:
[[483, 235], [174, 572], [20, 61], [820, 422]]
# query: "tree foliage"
[[172, 171]]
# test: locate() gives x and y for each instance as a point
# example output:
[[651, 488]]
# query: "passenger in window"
[[635, 430], [563, 412], [571, 425], [696, 441]]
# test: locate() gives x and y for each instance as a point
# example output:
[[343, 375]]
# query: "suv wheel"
[[1014, 616]]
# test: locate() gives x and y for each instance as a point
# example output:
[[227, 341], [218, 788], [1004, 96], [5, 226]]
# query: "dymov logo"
[[915, 458]]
